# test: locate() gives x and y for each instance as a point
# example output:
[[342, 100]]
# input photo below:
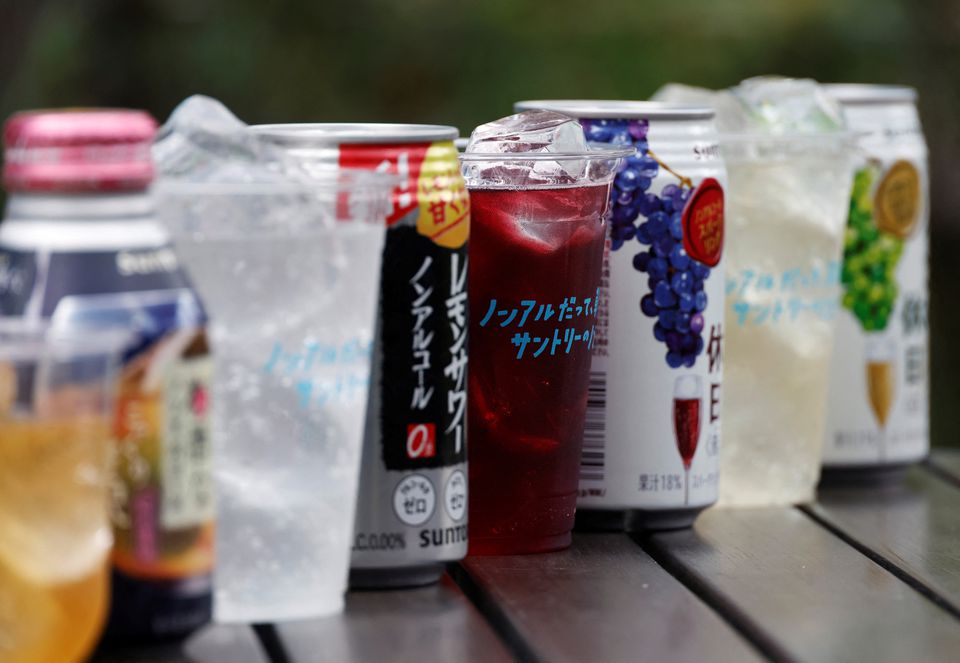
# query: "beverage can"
[[651, 443], [412, 506], [79, 241], [878, 421]]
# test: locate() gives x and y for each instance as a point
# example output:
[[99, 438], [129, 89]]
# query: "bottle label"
[[653, 428], [186, 462], [879, 373], [162, 508], [412, 505]]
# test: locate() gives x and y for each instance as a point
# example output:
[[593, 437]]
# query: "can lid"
[[862, 93], [614, 109], [336, 133], [78, 150]]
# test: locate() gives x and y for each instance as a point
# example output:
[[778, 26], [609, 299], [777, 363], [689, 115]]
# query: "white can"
[[652, 436], [878, 408]]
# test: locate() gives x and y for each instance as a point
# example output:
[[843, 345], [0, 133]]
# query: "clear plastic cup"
[[536, 252], [56, 405], [785, 216], [288, 272]]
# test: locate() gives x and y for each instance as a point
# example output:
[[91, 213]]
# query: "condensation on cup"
[[412, 509], [651, 439], [539, 194], [287, 262]]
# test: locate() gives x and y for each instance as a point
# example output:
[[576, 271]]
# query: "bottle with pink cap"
[[79, 244]]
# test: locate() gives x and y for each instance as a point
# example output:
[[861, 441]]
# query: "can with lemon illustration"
[[412, 508]]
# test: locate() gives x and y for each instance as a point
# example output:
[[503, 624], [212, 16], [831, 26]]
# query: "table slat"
[[212, 644], [604, 599], [914, 526], [435, 623], [803, 592], [946, 461]]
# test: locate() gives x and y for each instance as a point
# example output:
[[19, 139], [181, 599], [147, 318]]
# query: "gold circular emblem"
[[897, 201]]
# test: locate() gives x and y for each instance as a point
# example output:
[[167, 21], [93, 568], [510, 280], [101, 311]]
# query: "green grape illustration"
[[870, 258]]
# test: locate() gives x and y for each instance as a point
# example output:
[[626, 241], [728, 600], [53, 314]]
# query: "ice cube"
[[534, 131], [790, 105], [529, 131], [203, 141], [208, 159], [732, 116], [765, 104]]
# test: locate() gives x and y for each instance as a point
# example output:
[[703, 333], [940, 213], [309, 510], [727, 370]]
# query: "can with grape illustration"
[[878, 414], [412, 506], [652, 436]]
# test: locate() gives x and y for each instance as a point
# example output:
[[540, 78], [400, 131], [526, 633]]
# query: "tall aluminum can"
[[412, 506], [878, 421], [652, 436], [80, 240]]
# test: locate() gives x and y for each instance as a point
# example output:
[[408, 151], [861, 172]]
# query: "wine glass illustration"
[[687, 397], [881, 355]]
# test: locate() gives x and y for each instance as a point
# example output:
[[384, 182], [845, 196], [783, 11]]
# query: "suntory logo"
[[139, 263]]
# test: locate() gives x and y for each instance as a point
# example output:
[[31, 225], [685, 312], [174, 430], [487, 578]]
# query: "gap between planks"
[[493, 614]]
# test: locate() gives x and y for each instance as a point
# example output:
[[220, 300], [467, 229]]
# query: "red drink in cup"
[[536, 253]]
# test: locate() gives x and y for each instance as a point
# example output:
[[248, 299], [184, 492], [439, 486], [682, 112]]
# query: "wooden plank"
[[946, 462], [604, 599], [435, 623], [213, 644], [802, 592], [913, 527]]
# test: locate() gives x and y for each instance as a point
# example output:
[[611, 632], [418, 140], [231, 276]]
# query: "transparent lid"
[[862, 93], [335, 133], [617, 109], [759, 146], [323, 183], [537, 149], [321, 202], [28, 340], [593, 154]]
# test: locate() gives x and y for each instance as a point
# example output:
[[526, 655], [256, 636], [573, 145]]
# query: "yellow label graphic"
[[897, 201], [444, 201]]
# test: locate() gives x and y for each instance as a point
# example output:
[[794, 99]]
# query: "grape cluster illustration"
[[677, 298], [870, 258]]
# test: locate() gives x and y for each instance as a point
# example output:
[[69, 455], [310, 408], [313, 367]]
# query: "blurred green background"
[[463, 63]]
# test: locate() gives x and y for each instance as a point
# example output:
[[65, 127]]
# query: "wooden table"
[[862, 575]]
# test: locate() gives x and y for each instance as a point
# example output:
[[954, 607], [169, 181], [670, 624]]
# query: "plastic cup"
[[535, 261], [288, 273], [56, 405], [785, 216]]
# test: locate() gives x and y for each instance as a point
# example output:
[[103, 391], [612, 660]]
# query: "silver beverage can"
[[651, 444], [412, 506], [878, 421]]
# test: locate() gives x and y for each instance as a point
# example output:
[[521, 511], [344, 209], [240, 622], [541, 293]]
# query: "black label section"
[[423, 337], [18, 278]]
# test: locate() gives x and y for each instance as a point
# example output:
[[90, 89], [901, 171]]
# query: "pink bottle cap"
[[78, 150]]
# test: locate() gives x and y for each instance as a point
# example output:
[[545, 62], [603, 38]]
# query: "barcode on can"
[[593, 456]]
